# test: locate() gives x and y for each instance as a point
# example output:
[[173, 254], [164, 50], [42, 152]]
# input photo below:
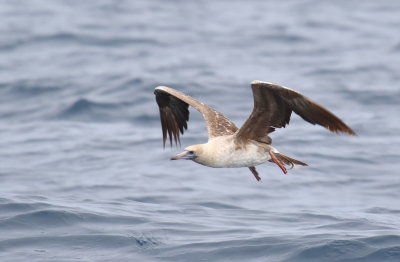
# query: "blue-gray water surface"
[[83, 173]]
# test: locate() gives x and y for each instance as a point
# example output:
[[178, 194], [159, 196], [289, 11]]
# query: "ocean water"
[[83, 173]]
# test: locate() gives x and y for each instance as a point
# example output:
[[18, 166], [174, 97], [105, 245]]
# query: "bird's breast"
[[223, 152]]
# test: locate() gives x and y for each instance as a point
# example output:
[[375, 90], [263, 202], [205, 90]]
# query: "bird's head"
[[190, 153]]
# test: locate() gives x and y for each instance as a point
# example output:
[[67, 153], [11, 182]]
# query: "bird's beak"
[[184, 155]]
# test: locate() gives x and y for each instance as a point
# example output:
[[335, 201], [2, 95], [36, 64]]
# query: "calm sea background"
[[83, 173]]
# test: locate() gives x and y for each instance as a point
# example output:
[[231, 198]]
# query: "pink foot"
[[278, 162]]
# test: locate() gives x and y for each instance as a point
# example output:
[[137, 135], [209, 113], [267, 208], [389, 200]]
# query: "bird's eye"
[[191, 152]]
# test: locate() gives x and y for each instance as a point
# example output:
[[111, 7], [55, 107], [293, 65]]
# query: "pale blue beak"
[[187, 155]]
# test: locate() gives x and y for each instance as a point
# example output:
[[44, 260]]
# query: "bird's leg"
[[255, 173], [277, 161]]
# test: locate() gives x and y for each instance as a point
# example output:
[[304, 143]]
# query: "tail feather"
[[289, 161]]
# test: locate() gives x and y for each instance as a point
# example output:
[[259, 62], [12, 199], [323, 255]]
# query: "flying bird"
[[250, 145]]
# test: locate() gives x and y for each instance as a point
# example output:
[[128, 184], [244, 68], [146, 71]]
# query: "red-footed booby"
[[250, 145]]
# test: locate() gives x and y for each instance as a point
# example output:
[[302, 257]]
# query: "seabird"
[[250, 145]]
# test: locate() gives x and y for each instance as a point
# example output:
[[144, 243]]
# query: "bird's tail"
[[288, 160]]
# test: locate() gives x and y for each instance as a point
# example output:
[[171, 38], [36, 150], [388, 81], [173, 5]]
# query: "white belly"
[[243, 158], [222, 152]]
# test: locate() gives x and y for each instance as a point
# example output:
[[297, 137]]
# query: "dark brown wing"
[[273, 106], [174, 115]]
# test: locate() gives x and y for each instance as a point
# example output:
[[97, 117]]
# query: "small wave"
[[381, 241], [147, 118], [88, 240], [380, 248], [251, 249], [285, 38], [396, 48], [27, 88], [217, 205], [56, 218], [20, 207], [376, 69], [360, 225], [337, 250], [374, 97], [87, 110], [383, 254], [42, 218], [154, 199], [382, 210], [83, 105], [315, 217], [79, 39], [146, 241], [333, 25]]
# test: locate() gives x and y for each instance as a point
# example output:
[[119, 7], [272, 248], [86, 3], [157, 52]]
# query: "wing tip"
[[174, 115], [258, 82], [347, 131], [342, 128], [160, 88], [350, 131]]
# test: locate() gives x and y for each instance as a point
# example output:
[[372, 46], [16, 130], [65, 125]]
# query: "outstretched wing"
[[174, 115], [273, 106]]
